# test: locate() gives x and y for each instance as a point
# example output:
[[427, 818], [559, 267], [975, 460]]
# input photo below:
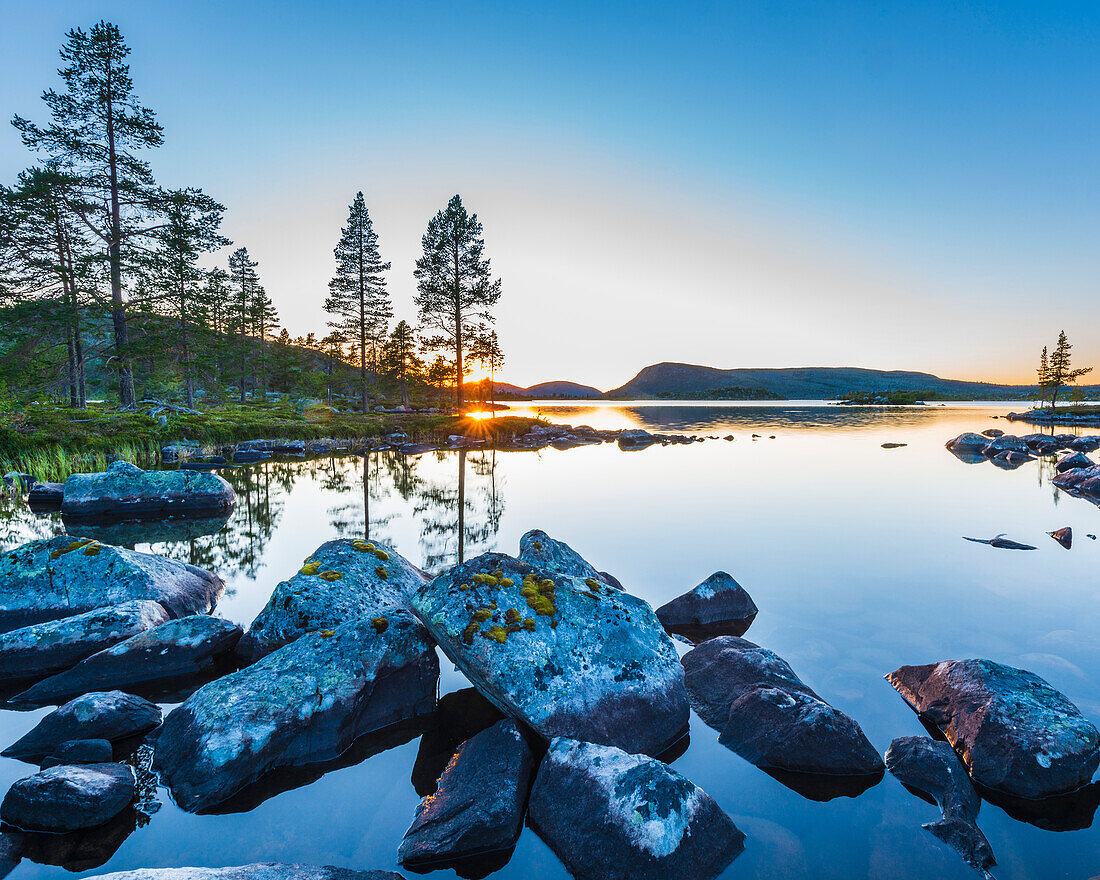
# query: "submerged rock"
[[769, 716], [69, 798], [341, 581], [177, 649], [932, 767], [610, 815], [63, 576], [80, 751], [46, 648], [1084, 481], [718, 606], [305, 703], [262, 871], [1014, 732], [480, 801], [1010, 459], [124, 490], [1001, 543], [565, 655], [1063, 536], [46, 496], [113, 716]]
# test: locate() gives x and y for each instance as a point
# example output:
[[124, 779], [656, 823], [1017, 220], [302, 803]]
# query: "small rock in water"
[[125, 490], [993, 432], [769, 716], [609, 815], [480, 801], [1063, 536], [1001, 543], [69, 797], [1072, 460], [263, 871], [80, 751], [932, 767], [717, 606], [112, 716], [1014, 732], [893, 445]]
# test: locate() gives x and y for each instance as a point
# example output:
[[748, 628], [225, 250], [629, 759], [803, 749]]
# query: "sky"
[[742, 184]]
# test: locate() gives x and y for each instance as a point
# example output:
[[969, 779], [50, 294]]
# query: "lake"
[[853, 553]]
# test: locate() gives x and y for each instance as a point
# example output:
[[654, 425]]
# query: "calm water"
[[853, 553]]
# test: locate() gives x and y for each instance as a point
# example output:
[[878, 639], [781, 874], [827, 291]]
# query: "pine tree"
[[191, 229], [98, 125], [243, 282], [400, 360], [454, 285], [1060, 372], [486, 350], [1043, 374], [357, 292], [264, 320]]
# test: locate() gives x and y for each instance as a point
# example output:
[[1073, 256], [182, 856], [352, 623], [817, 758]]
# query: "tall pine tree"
[[357, 292], [455, 289], [98, 126], [1060, 372], [243, 282]]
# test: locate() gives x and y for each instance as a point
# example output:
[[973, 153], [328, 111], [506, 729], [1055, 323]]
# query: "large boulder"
[[45, 648], [1081, 444], [1072, 460], [968, 444], [929, 766], [303, 704], [126, 491], [113, 716], [479, 803], [769, 716], [69, 797], [63, 576], [1006, 443], [609, 815], [261, 871], [567, 656], [341, 581], [46, 496], [179, 649], [1083, 481], [718, 606], [1013, 731]]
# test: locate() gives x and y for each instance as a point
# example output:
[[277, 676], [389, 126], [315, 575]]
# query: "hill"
[[571, 390]]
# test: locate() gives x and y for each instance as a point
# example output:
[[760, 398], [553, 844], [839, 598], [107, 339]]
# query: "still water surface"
[[853, 553]]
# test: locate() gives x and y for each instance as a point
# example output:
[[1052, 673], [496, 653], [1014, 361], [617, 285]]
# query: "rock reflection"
[[1068, 812], [81, 850]]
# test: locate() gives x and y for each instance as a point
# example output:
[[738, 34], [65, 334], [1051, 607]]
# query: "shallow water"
[[854, 554]]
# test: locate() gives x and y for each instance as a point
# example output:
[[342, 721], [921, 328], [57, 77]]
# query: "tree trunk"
[[126, 392], [74, 393]]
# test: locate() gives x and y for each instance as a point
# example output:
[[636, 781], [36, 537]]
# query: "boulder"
[[263, 871], [993, 432], [1080, 481], [341, 581], [63, 576], [769, 716], [458, 716], [610, 815], [1013, 731], [538, 549], [1005, 443], [1063, 536], [968, 443], [718, 606], [303, 704], [635, 438], [567, 656], [46, 496], [45, 648], [80, 751], [928, 766], [480, 801], [18, 481], [179, 451], [1010, 459], [113, 716], [1084, 444], [126, 491], [1072, 460], [69, 798], [179, 649]]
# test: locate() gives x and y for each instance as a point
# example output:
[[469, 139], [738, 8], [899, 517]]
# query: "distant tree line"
[[105, 276]]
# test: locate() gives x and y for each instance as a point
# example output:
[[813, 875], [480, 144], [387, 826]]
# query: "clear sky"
[[890, 185]]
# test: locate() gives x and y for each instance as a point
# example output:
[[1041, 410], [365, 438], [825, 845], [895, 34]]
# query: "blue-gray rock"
[[20, 482], [718, 606], [112, 716], [567, 656], [1080, 481], [1006, 443], [1010, 459], [1072, 460], [261, 871], [1013, 731], [69, 797], [929, 766], [769, 716], [46, 496], [80, 751], [341, 581], [479, 804], [126, 491], [1084, 444], [538, 549], [609, 815], [45, 648], [178, 649], [63, 576], [181, 450], [303, 704], [968, 443]]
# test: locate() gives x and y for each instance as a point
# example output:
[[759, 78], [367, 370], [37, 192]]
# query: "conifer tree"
[[1060, 371], [357, 292], [1043, 374], [243, 282], [400, 359], [98, 126], [455, 289]]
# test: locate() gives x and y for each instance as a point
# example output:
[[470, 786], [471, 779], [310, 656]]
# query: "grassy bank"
[[51, 442]]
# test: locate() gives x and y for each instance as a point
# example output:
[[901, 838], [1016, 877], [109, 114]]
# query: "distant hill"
[[542, 390], [804, 383]]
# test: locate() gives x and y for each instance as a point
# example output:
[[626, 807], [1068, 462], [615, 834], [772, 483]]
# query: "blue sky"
[[910, 186]]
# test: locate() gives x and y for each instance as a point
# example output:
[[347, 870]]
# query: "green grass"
[[50, 442]]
